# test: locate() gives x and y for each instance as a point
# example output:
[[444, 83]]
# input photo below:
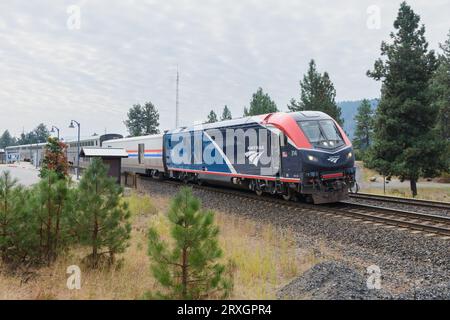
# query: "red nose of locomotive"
[[320, 154]]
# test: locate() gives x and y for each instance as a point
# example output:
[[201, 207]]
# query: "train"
[[302, 155], [34, 153]]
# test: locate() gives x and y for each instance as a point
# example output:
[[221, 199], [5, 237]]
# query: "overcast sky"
[[54, 67]]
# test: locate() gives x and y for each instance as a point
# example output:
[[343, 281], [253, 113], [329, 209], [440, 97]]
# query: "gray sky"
[[126, 52]]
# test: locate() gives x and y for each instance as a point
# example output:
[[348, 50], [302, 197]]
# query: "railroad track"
[[406, 201], [419, 222]]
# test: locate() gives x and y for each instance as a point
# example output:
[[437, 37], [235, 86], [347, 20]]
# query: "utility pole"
[[176, 101]]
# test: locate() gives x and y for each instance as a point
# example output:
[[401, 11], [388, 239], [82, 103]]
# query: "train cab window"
[[322, 133]]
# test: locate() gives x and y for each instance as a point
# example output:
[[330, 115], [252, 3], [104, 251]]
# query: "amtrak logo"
[[254, 156], [334, 159]]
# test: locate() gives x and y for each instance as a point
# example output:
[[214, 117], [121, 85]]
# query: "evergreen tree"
[[189, 270], [8, 207], [33, 225], [19, 237], [51, 204], [364, 126], [440, 89], [55, 159], [226, 114], [102, 218], [41, 133], [142, 120], [212, 117], [261, 104], [6, 140], [317, 93], [405, 144]]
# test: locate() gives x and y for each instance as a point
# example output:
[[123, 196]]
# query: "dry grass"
[[265, 258], [432, 193]]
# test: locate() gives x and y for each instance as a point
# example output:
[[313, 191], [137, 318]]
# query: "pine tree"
[[190, 269], [51, 202], [405, 144], [226, 114], [6, 140], [142, 120], [212, 117], [19, 237], [364, 126], [261, 104], [317, 93], [102, 218], [41, 133], [55, 158], [440, 89], [8, 206]]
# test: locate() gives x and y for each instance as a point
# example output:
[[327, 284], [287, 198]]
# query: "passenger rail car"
[[300, 154], [35, 152], [94, 141]]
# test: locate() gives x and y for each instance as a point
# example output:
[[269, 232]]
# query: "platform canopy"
[[103, 152]]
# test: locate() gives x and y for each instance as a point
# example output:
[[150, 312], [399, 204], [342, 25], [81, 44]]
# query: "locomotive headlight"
[[312, 158], [349, 155]]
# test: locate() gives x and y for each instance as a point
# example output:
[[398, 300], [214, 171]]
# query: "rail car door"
[[290, 159]]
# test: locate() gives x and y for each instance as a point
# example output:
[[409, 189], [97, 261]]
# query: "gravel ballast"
[[409, 262]]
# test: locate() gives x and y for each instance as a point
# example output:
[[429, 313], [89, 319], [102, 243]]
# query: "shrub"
[[190, 269], [101, 219]]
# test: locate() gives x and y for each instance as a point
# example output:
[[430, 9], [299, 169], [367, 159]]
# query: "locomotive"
[[298, 155]]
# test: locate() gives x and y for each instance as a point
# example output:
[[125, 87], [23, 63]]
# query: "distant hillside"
[[349, 110]]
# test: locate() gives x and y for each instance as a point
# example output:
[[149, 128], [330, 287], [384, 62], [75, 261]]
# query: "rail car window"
[[322, 133]]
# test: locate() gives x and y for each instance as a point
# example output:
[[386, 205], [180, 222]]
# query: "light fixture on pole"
[[78, 145], [53, 130]]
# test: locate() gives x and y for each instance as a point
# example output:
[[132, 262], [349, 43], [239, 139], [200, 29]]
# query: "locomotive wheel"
[[287, 196], [258, 192]]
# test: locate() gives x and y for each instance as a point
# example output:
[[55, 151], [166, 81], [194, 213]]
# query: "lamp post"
[[36, 160], [53, 130], [78, 146]]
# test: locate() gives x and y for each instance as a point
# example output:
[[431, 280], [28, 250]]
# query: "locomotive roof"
[[309, 115], [297, 116]]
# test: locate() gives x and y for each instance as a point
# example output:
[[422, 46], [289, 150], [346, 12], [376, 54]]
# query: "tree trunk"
[[413, 184], [94, 242], [184, 277]]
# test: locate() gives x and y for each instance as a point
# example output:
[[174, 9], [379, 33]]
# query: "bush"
[[190, 269], [101, 218], [33, 224]]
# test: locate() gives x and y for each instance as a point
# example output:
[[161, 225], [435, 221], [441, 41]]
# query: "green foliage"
[[189, 270], [39, 223], [34, 228], [226, 114], [364, 126], [405, 143], [317, 93], [260, 104], [39, 135], [440, 90], [142, 120], [101, 218], [55, 159], [51, 203], [11, 202], [212, 117], [6, 140]]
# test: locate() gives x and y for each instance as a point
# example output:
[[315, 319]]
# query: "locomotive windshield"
[[322, 133]]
